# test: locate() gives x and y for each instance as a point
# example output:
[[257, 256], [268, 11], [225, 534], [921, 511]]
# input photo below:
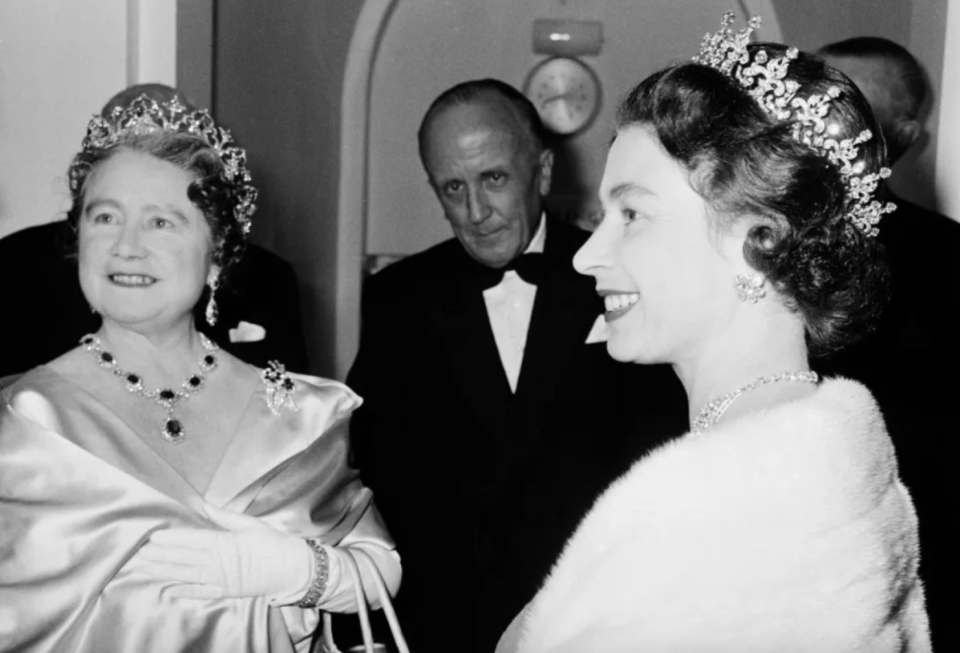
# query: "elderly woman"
[[156, 493], [737, 238]]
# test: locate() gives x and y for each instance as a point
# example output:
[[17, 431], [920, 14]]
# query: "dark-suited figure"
[[490, 424], [45, 312], [911, 363]]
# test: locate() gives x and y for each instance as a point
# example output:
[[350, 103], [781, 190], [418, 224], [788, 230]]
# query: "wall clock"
[[566, 93]]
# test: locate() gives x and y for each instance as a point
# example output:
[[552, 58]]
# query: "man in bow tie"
[[493, 416]]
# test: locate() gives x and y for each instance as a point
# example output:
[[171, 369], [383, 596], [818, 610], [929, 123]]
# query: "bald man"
[[911, 363], [493, 415], [45, 312]]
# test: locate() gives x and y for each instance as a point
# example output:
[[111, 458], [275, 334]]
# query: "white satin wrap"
[[80, 493]]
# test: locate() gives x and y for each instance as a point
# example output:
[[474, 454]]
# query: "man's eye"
[[160, 223], [497, 178], [103, 218], [629, 215], [453, 188]]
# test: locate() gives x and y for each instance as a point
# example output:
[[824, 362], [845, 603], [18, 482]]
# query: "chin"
[[131, 314], [619, 353], [496, 255], [622, 352], [128, 318]]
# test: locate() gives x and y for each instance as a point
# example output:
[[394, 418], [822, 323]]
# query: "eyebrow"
[[100, 202], [620, 190]]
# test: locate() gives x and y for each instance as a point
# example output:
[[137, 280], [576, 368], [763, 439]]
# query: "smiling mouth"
[[619, 304], [132, 280]]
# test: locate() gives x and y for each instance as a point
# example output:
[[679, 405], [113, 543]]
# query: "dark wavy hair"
[[210, 192], [745, 162]]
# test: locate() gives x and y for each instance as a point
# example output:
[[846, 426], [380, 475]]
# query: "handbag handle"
[[354, 571], [385, 601]]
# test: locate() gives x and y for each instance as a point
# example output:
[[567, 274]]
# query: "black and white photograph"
[[513, 326]]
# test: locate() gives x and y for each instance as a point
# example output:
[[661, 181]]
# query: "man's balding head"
[[482, 146], [892, 81], [492, 93]]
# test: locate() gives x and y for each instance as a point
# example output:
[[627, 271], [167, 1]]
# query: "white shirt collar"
[[539, 238]]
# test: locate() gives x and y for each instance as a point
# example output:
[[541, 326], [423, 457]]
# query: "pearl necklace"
[[711, 413], [169, 398]]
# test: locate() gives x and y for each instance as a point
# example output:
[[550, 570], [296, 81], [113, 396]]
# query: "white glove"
[[250, 558]]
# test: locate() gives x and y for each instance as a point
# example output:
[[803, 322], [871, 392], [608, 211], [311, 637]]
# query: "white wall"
[[916, 176], [948, 152], [60, 60], [152, 41]]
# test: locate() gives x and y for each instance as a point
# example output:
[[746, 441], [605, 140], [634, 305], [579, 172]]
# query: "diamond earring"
[[750, 287]]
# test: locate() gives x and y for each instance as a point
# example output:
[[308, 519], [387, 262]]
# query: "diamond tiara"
[[763, 79], [147, 116]]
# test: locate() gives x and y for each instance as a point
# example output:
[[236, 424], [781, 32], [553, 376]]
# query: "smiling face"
[[488, 178], [144, 247], [664, 271]]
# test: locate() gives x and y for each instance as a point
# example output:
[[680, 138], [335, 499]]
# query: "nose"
[[128, 243], [478, 208], [597, 252]]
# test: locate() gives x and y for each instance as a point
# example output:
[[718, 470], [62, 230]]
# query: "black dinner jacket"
[[45, 313], [910, 365], [481, 487]]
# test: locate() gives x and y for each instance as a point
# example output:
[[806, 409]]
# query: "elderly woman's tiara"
[[763, 79], [147, 116]]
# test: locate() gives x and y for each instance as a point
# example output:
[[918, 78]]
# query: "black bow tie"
[[530, 267]]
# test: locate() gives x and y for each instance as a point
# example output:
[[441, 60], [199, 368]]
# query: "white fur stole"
[[785, 530]]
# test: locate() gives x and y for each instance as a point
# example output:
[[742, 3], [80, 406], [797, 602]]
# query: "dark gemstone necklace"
[[169, 398]]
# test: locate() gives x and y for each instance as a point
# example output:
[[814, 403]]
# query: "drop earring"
[[211, 312], [750, 287]]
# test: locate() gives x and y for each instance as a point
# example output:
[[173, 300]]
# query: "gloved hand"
[[250, 558]]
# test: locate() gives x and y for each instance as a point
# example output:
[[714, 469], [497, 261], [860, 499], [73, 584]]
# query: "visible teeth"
[[132, 279], [619, 302]]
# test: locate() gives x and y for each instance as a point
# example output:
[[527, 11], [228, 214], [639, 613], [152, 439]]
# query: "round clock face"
[[566, 93]]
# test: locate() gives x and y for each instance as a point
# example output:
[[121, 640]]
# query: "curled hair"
[[744, 162], [209, 191]]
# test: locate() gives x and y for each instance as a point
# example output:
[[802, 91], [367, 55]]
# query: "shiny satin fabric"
[[80, 493]]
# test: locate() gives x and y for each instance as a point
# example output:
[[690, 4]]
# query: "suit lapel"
[[471, 351], [563, 312]]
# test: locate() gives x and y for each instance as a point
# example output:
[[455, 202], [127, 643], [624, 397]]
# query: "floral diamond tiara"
[[763, 79], [147, 116]]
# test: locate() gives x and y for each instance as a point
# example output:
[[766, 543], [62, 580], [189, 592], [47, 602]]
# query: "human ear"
[[546, 171], [906, 133], [750, 235]]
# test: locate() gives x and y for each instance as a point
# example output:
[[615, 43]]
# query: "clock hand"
[[555, 98]]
